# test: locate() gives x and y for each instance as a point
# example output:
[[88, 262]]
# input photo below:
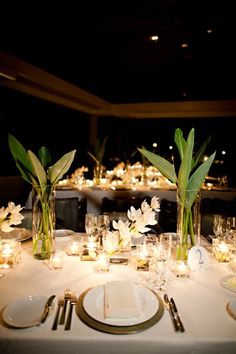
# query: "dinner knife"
[[176, 314], [171, 312], [47, 308]]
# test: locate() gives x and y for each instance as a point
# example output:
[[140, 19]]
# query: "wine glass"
[[90, 224], [218, 224], [159, 263]]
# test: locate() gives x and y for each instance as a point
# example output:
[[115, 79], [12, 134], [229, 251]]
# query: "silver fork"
[[73, 302], [59, 306], [67, 296]]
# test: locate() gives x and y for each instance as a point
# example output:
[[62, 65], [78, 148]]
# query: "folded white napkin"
[[120, 300]]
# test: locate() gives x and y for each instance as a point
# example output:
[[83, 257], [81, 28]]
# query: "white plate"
[[229, 282], [18, 234], [63, 232], [94, 306], [25, 312]]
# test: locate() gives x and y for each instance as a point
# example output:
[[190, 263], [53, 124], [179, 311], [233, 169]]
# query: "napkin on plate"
[[120, 300]]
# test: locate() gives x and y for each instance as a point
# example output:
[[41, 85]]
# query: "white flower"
[[138, 222], [10, 216]]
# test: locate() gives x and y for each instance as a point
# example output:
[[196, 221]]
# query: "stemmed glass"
[[158, 265], [103, 224], [218, 222], [90, 224]]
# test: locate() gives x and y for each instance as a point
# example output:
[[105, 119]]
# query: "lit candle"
[[142, 258], [91, 244], [9, 254], [56, 262], [222, 252], [182, 269], [103, 263], [74, 248]]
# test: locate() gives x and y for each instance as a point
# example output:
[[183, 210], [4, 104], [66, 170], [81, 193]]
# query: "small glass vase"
[[188, 224], [43, 221], [97, 174]]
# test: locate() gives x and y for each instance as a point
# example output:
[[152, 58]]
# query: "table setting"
[[118, 287]]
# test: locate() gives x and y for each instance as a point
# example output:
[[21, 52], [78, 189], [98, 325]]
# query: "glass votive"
[[143, 256], [74, 248], [182, 269], [103, 262], [56, 261], [89, 248], [10, 253], [221, 251], [110, 242]]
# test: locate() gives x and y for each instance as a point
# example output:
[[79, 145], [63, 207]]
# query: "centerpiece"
[[189, 179], [43, 176], [138, 222]]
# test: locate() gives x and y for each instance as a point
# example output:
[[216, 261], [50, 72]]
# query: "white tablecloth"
[[200, 299]]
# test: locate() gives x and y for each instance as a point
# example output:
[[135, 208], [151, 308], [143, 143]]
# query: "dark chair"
[[70, 213], [168, 216]]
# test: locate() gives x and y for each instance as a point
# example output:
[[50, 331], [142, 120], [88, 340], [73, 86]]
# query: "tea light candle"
[[103, 262], [74, 248], [91, 244], [222, 252], [56, 262], [9, 254], [182, 269], [142, 258]]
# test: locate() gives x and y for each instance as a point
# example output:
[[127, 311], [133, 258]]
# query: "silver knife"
[[47, 308], [171, 312], [176, 314]]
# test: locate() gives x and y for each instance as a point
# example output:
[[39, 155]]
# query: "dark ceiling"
[[105, 47]]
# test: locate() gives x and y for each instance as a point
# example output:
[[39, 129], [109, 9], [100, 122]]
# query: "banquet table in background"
[[200, 299]]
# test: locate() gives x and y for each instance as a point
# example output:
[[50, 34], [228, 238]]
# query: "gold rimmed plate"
[[96, 320]]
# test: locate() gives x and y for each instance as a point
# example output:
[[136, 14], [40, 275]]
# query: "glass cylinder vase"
[[188, 221], [97, 174], [43, 221]]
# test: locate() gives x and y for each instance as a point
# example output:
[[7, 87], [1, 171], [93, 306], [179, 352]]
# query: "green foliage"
[[190, 175], [37, 169], [99, 151]]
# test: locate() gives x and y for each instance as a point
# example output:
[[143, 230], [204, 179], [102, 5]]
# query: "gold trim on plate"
[[107, 328]]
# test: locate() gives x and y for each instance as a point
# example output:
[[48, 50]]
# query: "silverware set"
[[64, 317], [173, 311]]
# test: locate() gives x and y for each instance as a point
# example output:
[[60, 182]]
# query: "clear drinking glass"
[[90, 224]]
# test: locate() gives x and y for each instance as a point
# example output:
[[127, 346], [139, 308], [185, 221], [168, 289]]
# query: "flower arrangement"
[[138, 221], [43, 176], [189, 178], [10, 216]]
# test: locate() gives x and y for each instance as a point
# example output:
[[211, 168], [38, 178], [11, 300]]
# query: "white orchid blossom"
[[138, 222], [10, 216]]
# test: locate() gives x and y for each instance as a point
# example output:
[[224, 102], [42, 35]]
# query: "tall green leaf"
[[197, 158], [186, 165], [163, 165], [180, 142], [44, 157], [57, 171], [20, 156], [196, 180], [39, 170]]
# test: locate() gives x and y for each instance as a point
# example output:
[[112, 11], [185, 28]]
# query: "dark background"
[[35, 122]]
